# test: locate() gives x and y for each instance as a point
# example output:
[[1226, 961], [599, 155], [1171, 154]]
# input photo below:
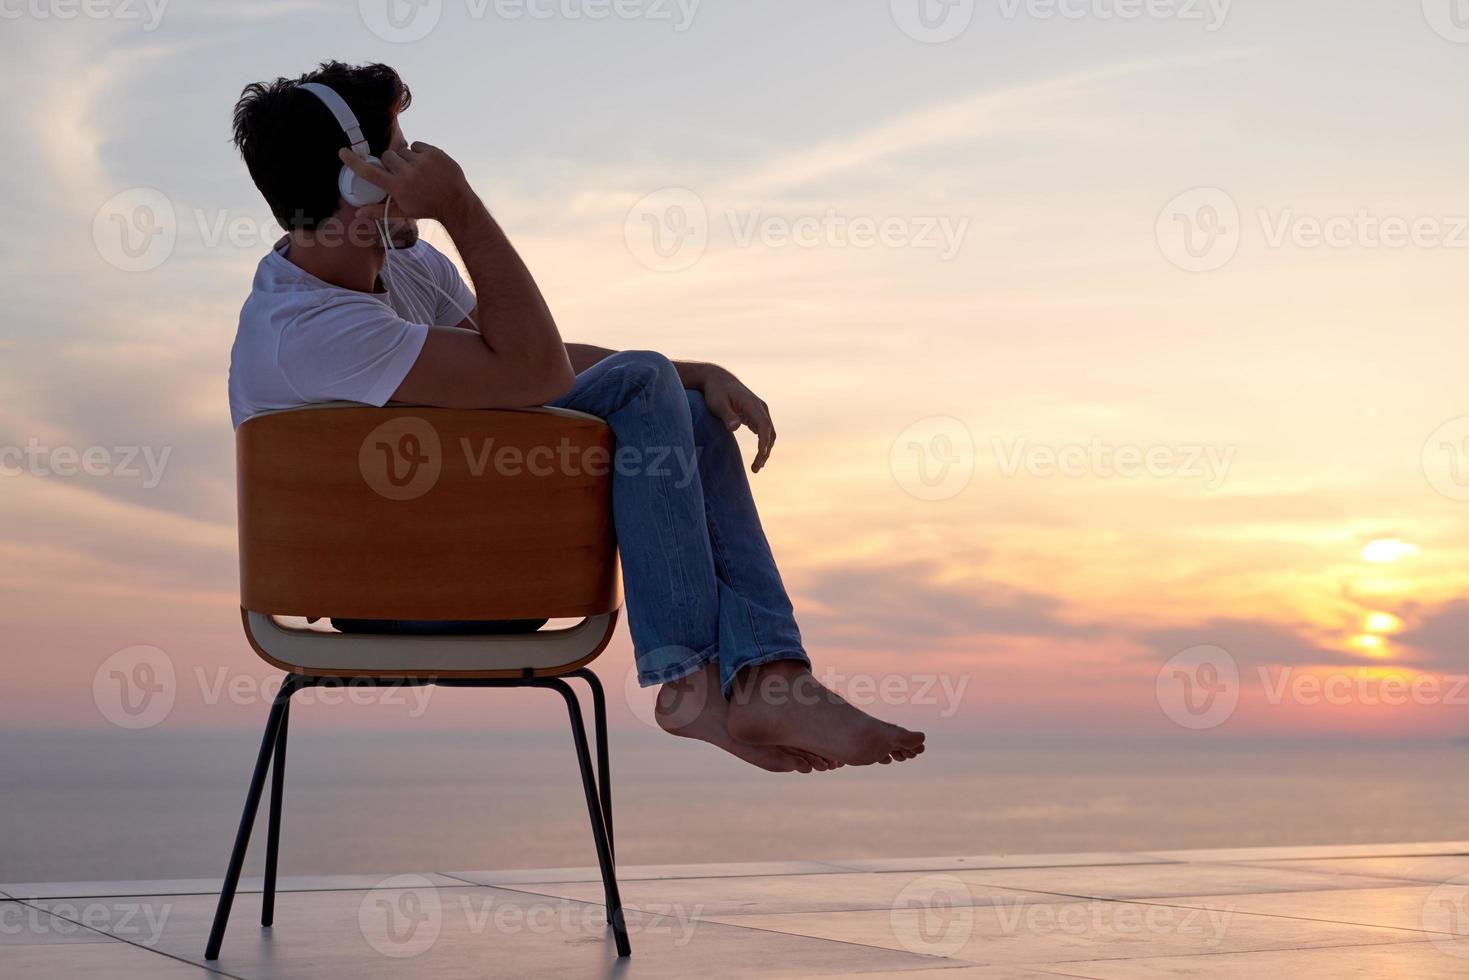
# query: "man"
[[352, 306]]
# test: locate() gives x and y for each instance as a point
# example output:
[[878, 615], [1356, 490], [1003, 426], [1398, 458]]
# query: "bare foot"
[[781, 703], [694, 707]]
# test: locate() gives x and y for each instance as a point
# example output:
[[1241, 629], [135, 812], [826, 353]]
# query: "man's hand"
[[518, 359], [424, 181], [737, 405]]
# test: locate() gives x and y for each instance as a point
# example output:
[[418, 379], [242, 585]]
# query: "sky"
[[1116, 348]]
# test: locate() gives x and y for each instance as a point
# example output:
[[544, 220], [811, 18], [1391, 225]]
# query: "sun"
[[1370, 644], [1381, 622], [1386, 550]]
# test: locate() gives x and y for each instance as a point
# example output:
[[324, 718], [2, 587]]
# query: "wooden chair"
[[406, 513]]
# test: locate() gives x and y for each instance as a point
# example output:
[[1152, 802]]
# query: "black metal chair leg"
[[594, 810], [273, 828], [604, 770], [247, 819]]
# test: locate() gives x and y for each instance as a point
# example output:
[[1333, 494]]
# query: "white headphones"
[[354, 189]]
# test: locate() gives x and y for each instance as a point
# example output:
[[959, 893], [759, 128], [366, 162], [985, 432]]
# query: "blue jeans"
[[701, 584]]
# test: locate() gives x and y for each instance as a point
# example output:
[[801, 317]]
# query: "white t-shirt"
[[302, 340]]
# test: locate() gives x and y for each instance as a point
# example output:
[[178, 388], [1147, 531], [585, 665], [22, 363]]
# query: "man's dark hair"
[[290, 139]]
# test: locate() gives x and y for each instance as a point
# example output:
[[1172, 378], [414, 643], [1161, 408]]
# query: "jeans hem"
[[648, 678]]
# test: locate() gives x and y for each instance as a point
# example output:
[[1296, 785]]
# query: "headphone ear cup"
[[358, 192]]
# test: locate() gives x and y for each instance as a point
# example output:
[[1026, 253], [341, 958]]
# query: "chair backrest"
[[426, 513]]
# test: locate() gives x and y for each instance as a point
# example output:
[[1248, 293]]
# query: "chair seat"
[[315, 651], [437, 627]]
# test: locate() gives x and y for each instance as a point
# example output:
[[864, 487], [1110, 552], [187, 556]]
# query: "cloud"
[[1248, 641], [263, 10], [1442, 635], [66, 536], [65, 127], [151, 382], [987, 113], [904, 603]]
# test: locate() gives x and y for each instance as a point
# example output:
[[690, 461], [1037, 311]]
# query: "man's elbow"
[[558, 381]]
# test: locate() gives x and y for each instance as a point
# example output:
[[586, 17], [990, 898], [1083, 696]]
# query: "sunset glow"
[[1040, 432]]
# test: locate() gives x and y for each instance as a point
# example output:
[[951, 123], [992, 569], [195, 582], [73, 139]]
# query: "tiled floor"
[[1307, 912]]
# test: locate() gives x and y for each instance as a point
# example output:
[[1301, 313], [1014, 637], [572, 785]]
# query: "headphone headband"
[[355, 190], [343, 114]]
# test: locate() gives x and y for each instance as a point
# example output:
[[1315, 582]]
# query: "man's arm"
[[515, 356], [725, 395]]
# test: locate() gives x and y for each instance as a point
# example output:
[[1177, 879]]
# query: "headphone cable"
[[412, 274]]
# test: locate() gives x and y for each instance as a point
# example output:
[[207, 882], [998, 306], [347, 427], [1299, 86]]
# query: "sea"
[[111, 805]]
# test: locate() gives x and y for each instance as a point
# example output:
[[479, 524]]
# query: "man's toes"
[[907, 754], [814, 761], [909, 740], [818, 763], [792, 760]]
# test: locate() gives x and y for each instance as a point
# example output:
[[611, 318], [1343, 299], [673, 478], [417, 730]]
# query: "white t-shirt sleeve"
[[455, 300], [357, 351]]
